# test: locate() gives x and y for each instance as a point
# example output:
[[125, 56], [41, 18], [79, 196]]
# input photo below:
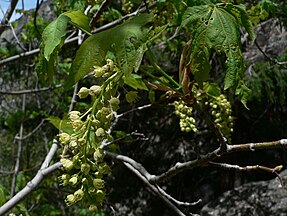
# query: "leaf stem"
[[158, 69]]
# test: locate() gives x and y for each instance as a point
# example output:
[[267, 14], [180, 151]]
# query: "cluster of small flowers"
[[105, 71], [127, 6], [85, 168], [184, 112], [220, 109]]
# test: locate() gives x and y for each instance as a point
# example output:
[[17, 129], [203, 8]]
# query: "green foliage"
[[262, 10], [53, 40], [2, 195], [61, 124], [127, 41], [268, 83], [53, 36], [212, 89], [79, 19], [115, 58], [217, 27], [135, 81]]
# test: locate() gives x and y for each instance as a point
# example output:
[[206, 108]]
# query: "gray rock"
[[262, 198], [271, 36]]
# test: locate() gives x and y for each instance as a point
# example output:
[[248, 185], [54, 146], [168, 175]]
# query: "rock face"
[[264, 198], [46, 11], [271, 36]]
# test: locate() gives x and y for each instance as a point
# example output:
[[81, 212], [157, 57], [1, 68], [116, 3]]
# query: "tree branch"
[[99, 13], [246, 168], [32, 132], [19, 151], [13, 32], [30, 91], [270, 58], [180, 203], [42, 173], [74, 39], [132, 162], [136, 168], [217, 153], [8, 15]]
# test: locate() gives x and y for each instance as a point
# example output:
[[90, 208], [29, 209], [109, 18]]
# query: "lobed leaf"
[[217, 27], [245, 21]]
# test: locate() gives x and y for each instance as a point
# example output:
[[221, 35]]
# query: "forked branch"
[[44, 171]]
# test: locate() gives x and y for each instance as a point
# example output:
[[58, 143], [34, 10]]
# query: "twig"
[[50, 154], [217, 153], [38, 4], [32, 132], [74, 98], [154, 189], [135, 168], [170, 38], [99, 12], [8, 15], [106, 144], [19, 151], [44, 171], [22, 55], [30, 91], [270, 58], [274, 170], [130, 161], [74, 39], [159, 70], [246, 168], [117, 116], [140, 171], [3, 172], [134, 109], [180, 203], [13, 32]]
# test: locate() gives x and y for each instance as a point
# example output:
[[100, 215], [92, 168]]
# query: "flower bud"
[[73, 181], [98, 183], [79, 194], [85, 168], [110, 63], [84, 92], [96, 123], [73, 144], [114, 101], [100, 196], [98, 71], [67, 164], [91, 190], [74, 115], [98, 155], [77, 124], [64, 179], [81, 141], [93, 208], [100, 132], [70, 200], [95, 90], [64, 138], [104, 168]]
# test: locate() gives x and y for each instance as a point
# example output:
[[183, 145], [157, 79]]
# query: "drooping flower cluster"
[[84, 166], [184, 112], [220, 109]]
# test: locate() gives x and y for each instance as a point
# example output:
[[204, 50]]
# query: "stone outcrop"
[[264, 198]]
